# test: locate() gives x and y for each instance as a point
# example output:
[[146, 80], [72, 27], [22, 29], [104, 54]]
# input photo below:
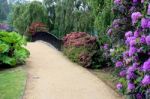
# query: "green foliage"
[[105, 18], [117, 54], [24, 15], [12, 51], [102, 14], [96, 59], [92, 16], [73, 53], [66, 16]]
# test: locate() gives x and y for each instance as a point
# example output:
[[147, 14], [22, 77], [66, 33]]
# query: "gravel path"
[[53, 76]]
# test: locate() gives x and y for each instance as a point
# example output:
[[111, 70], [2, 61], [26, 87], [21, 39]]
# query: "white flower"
[[112, 50]]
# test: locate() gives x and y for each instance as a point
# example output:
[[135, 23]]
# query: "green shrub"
[[73, 52], [83, 49], [12, 51], [82, 55]]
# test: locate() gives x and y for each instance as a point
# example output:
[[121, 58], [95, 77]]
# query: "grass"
[[12, 83]]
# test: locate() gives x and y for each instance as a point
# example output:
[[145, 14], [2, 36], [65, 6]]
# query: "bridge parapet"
[[49, 38]]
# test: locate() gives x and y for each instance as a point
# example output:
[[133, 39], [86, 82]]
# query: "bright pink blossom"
[[119, 86], [148, 40], [146, 80]]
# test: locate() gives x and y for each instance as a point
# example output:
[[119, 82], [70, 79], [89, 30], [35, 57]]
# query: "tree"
[[50, 5], [69, 15], [103, 16], [25, 14], [4, 9]]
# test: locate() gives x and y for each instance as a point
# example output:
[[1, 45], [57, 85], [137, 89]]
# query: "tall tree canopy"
[[92, 16], [103, 16], [68, 16]]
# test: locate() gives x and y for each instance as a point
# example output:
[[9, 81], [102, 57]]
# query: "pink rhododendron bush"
[[134, 63], [83, 49]]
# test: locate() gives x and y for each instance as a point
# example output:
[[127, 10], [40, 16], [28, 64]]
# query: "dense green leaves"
[[91, 16], [21, 54], [11, 38], [12, 51], [69, 16], [101, 11], [8, 60], [4, 48]]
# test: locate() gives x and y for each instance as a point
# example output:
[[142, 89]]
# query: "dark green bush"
[[12, 51]]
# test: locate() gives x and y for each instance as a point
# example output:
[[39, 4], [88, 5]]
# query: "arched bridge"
[[48, 37]]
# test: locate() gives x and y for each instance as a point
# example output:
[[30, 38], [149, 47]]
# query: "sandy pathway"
[[52, 76]]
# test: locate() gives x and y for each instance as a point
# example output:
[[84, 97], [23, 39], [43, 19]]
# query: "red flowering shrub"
[[78, 39], [37, 27], [81, 48]]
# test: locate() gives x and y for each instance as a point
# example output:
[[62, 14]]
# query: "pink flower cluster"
[[78, 39], [135, 17]]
